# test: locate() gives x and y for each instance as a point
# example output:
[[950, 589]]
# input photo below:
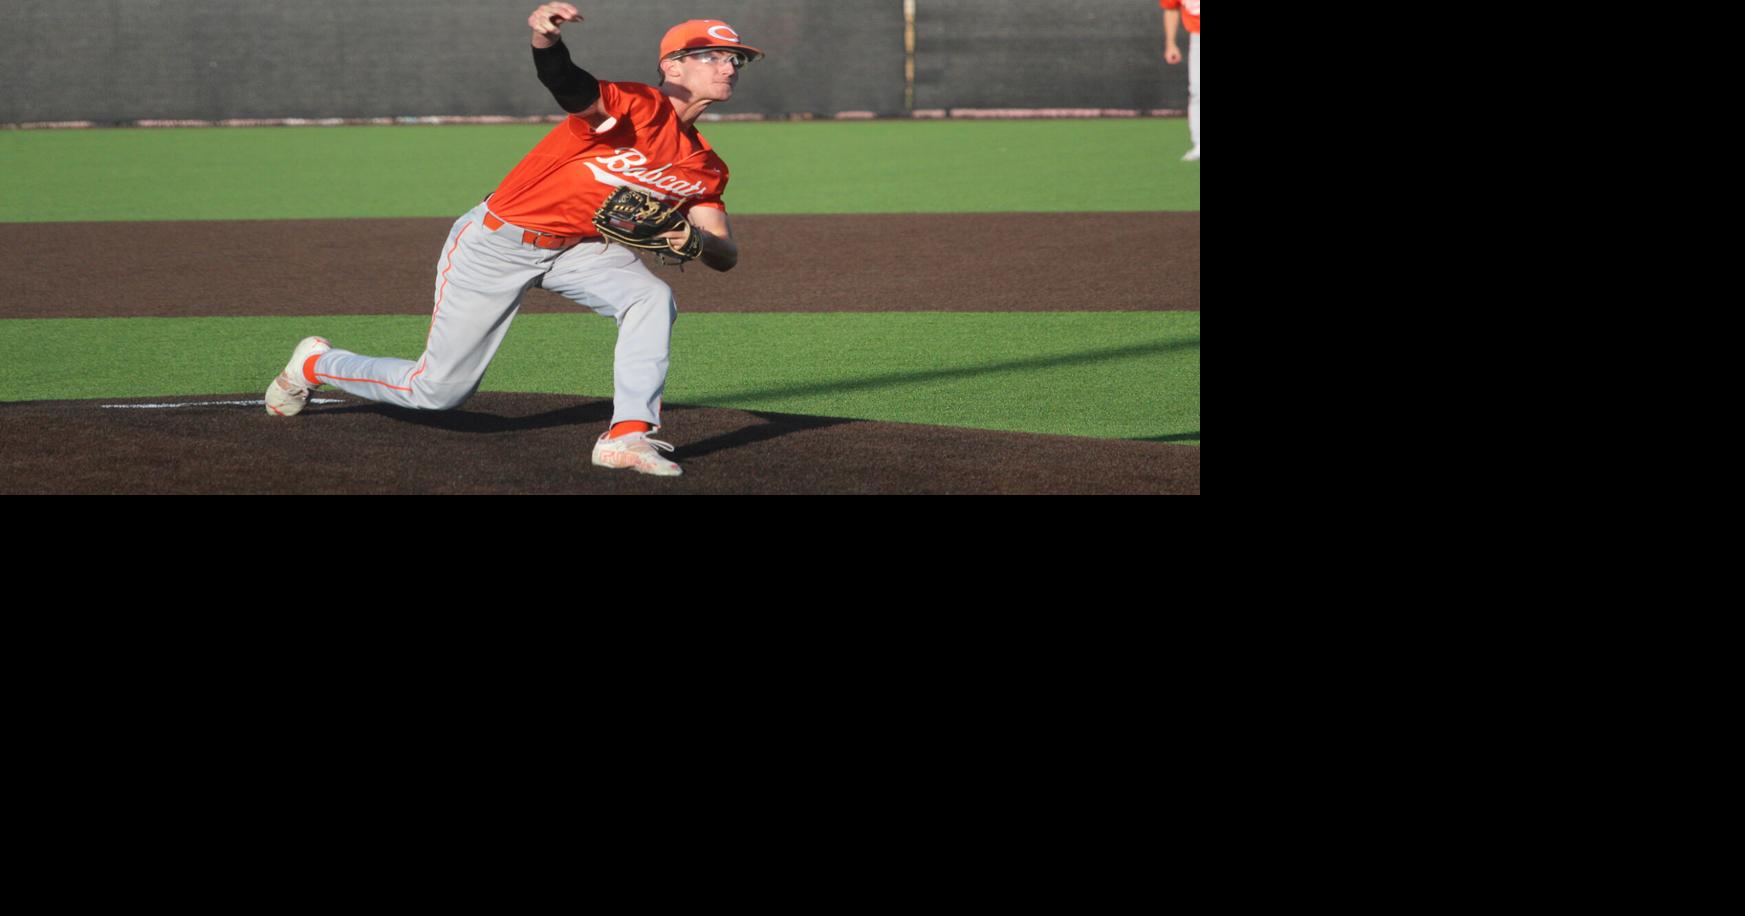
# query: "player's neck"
[[689, 109]]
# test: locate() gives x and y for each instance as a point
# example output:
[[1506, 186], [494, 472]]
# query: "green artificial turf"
[[1107, 165], [1133, 375], [1118, 375]]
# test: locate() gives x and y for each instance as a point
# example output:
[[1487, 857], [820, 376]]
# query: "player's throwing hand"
[[550, 17]]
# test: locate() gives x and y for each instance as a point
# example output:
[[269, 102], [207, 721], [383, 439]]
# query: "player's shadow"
[[462, 420], [774, 426], [599, 411], [595, 413], [900, 379]]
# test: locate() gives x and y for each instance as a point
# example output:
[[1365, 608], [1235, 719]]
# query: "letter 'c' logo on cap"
[[723, 33]]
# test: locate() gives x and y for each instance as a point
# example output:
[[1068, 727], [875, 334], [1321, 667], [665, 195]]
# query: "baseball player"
[[537, 229], [1175, 14]]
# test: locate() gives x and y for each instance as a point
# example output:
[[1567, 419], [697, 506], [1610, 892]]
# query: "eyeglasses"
[[716, 57]]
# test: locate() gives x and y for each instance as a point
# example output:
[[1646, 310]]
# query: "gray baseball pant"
[[480, 280], [1194, 87]]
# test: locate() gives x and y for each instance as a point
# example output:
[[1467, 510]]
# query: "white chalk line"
[[260, 403]]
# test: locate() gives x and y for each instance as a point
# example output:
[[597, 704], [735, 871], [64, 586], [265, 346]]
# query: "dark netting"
[[125, 60], [1044, 54]]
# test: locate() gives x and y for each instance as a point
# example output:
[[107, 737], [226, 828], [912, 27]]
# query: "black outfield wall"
[[126, 60]]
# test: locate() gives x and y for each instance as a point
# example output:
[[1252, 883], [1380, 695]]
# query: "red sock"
[[627, 427], [309, 370]]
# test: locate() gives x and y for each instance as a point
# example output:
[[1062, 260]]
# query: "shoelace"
[[633, 437]]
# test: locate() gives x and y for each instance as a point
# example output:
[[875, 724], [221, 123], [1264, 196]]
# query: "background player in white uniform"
[[1175, 14], [537, 230]]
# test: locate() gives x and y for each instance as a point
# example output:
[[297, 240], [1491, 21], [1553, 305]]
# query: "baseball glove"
[[631, 217]]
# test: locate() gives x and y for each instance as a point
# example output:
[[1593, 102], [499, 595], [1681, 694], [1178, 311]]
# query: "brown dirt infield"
[[539, 444], [880, 262]]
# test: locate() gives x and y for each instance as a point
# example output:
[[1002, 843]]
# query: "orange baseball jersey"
[[561, 182], [1190, 12]]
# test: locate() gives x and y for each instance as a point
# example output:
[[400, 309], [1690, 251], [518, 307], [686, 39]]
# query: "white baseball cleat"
[[1192, 155], [637, 451], [288, 393]]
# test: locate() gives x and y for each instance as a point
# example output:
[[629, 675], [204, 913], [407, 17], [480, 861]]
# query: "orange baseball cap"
[[698, 34]]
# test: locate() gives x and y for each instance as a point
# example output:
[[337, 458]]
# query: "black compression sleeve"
[[574, 88]]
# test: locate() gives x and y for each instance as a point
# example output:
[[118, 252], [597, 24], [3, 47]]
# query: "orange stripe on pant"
[[363, 381], [441, 290]]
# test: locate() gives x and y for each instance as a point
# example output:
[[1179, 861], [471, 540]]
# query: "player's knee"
[[431, 396], [655, 299], [449, 401], [655, 290]]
